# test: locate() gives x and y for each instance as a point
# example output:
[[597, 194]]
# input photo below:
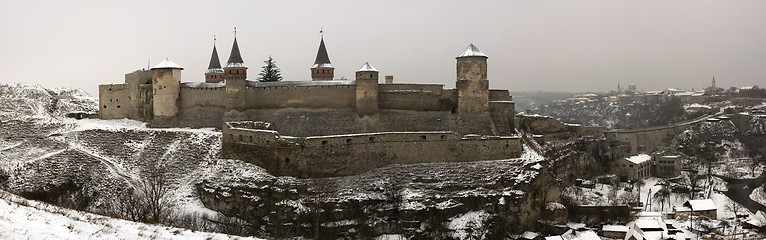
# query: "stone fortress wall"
[[308, 108], [349, 154], [340, 127], [651, 139]]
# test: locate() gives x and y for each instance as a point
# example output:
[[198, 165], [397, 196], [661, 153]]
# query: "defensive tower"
[[166, 88], [214, 71], [235, 67], [367, 90], [472, 83], [473, 92], [322, 70]]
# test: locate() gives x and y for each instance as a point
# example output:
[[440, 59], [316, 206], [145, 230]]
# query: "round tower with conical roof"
[[166, 88], [235, 67], [322, 70], [214, 71], [367, 90]]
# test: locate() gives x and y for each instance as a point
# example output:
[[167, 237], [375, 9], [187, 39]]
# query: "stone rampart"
[[499, 95], [411, 87], [650, 139], [311, 97], [349, 154], [415, 100], [552, 129], [202, 97], [114, 101]]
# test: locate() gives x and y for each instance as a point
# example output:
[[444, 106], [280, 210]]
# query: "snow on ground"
[[759, 195], [120, 124], [25, 219], [468, 225], [600, 195]]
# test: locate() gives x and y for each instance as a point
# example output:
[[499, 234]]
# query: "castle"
[[392, 112]]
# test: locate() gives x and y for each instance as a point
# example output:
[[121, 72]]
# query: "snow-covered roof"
[[576, 235], [472, 51], [640, 158], [551, 206], [323, 65], [702, 204], [214, 70], [615, 228], [367, 68], [167, 64], [236, 65], [683, 93], [529, 235], [758, 220], [697, 105]]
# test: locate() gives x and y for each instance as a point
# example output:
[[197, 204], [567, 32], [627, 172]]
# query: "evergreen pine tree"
[[270, 71]]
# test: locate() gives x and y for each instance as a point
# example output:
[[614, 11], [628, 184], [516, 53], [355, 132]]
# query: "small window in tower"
[[118, 106], [423, 137], [348, 140], [324, 142], [110, 100], [104, 106]]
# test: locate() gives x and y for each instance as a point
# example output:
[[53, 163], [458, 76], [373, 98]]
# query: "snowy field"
[[25, 219]]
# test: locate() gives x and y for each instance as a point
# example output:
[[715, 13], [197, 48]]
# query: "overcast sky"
[[532, 45]]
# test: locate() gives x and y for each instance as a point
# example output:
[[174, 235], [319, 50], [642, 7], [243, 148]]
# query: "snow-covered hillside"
[[26, 219]]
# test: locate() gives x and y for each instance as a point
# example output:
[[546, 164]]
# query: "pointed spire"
[[322, 59], [214, 62], [472, 51], [235, 58]]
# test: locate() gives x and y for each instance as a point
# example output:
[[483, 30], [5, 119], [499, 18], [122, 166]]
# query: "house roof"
[[758, 220], [322, 59], [638, 159], [167, 64], [472, 51], [615, 228], [701, 205]]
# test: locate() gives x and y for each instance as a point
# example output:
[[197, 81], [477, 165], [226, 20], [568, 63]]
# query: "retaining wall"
[[340, 155]]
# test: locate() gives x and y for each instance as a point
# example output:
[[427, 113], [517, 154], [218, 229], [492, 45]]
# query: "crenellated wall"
[[349, 154]]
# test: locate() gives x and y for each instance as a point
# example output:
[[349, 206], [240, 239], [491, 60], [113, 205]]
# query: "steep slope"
[[25, 219]]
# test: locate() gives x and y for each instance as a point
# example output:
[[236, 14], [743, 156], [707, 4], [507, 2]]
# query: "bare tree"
[[154, 190], [129, 206], [662, 195], [733, 207]]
